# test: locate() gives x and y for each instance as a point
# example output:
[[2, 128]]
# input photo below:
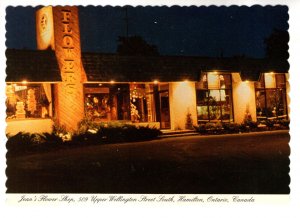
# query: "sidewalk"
[[178, 133]]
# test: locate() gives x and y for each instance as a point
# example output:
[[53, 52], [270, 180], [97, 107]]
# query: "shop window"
[[107, 102], [28, 101], [214, 98], [142, 104], [271, 97], [270, 80]]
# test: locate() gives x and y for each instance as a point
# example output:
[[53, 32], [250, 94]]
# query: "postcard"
[[162, 105]]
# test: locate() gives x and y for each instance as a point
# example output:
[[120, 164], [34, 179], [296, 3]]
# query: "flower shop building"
[[59, 83]]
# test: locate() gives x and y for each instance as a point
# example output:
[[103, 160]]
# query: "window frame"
[[40, 97], [204, 87], [261, 86]]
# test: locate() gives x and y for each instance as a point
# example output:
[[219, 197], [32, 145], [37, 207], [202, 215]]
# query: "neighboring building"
[[58, 82]]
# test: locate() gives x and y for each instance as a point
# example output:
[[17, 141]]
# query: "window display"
[[27, 101], [132, 102], [142, 103], [106, 102], [214, 98], [271, 97]]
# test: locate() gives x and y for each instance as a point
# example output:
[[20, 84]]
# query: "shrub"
[[25, 142], [244, 127], [147, 133], [201, 129], [249, 125], [51, 139], [218, 126], [284, 123], [114, 132], [252, 125], [18, 143], [269, 123], [86, 138], [189, 121], [231, 127], [209, 126], [58, 129]]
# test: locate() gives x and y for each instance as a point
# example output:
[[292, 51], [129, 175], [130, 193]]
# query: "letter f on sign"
[[66, 16]]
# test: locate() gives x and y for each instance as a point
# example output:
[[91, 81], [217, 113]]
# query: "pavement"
[[250, 163]]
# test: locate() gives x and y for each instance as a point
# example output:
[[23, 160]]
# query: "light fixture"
[[112, 81], [24, 82], [155, 81]]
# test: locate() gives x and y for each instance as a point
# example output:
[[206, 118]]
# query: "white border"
[[160, 210]]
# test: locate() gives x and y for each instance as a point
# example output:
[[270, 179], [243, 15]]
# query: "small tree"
[[189, 121]]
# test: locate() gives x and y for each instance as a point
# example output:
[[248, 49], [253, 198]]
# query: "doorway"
[[164, 109]]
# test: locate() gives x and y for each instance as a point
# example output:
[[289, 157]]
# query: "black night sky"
[[188, 31]]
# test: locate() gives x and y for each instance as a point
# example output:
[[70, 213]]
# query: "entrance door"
[[164, 110]]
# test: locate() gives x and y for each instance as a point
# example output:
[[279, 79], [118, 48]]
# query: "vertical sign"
[[69, 106]]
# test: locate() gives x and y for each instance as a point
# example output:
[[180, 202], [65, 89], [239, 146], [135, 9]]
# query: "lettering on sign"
[[68, 73]]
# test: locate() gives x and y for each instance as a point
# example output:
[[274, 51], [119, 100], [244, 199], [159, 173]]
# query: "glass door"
[[164, 110]]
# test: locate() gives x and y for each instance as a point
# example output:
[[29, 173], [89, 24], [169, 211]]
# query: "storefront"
[[58, 83], [31, 76]]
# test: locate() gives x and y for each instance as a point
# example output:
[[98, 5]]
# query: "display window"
[[214, 98], [142, 104], [107, 102], [271, 100], [28, 101]]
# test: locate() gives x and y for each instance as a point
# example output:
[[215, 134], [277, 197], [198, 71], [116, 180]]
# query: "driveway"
[[250, 163]]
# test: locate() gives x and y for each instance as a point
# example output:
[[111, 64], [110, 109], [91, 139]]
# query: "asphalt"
[[250, 163]]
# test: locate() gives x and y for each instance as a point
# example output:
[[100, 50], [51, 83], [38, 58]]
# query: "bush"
[[252, 125], [127, 133], [19, 143], [269, 123], [51, 139], [244, 127], [218, 126], [209, 126], [201, 129], [285, 124], [26, 142], [231, 127], [85, 125], [86, 138]]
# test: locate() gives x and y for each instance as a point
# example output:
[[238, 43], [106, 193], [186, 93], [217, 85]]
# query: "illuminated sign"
[[63, 26], [44, 28]]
